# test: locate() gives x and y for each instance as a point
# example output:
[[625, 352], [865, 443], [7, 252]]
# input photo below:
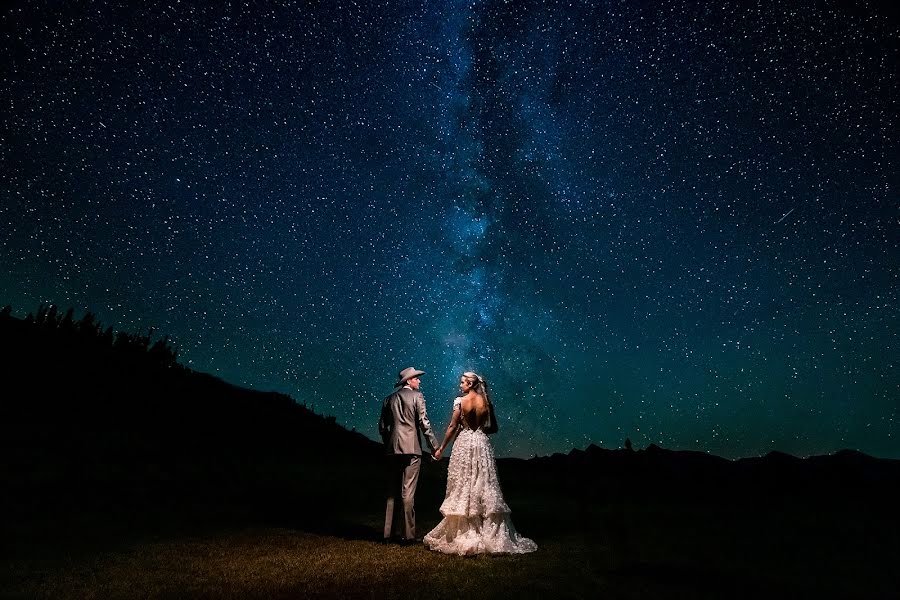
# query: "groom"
[[402, 417]]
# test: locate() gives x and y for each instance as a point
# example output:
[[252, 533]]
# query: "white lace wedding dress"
[[476, 519]]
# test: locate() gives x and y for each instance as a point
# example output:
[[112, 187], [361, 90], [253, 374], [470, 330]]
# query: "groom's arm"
[[452, 430], [385, 421], [425, 423]]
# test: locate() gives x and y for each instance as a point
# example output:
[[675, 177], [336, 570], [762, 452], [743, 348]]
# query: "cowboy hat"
[[407, 374]]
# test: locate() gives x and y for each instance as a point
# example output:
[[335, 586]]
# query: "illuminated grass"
[[640, 552], [283, 564]]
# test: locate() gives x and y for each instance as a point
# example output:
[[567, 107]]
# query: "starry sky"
[[675, 222]]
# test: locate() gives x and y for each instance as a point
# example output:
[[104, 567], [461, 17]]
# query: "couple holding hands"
[[476, 518]]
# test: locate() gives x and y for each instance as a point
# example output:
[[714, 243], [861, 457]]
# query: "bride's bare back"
[[473, 410]]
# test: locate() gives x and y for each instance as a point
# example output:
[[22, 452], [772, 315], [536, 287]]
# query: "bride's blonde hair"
[[477, 382], [480, 386]]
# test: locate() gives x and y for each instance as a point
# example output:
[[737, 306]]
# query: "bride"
[[476, 519]]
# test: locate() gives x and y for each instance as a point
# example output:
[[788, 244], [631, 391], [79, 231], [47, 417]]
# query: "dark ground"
[[592, 544]]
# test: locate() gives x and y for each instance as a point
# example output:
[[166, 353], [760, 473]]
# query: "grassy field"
[[586, 550], [277, 563]]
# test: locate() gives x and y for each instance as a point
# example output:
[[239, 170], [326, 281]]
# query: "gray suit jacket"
[[402, 417]]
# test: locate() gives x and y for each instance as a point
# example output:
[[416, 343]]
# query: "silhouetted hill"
[[94, 420]]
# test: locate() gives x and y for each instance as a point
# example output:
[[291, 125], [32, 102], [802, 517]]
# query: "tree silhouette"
[[87, 327], [107, 337], [50, 317], [87, 330], [161, 353]]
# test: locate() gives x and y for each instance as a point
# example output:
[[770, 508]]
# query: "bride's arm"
[[452, 430]]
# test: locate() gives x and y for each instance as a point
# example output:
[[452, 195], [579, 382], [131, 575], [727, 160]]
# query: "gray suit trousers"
[[400, 513]]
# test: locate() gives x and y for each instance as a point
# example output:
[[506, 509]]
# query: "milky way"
[[676, 223]]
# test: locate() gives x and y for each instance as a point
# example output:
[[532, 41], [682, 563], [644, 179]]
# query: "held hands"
[[437, 454]]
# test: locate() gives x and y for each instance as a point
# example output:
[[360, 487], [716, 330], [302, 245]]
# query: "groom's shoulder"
[[409, 393]]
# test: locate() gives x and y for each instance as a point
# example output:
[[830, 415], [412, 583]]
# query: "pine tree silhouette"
[[51, 318], [87, 327]]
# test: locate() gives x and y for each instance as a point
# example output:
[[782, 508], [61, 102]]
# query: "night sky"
[[666, 221]]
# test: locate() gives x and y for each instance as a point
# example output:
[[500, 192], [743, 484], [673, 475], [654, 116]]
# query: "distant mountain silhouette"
[[659, 474]]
